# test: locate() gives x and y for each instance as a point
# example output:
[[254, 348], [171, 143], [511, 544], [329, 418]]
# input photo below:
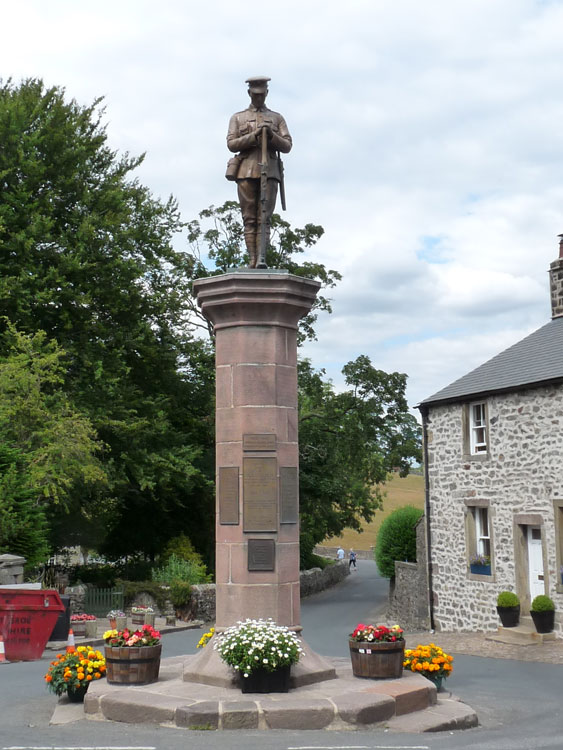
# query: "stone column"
[[255, 314]]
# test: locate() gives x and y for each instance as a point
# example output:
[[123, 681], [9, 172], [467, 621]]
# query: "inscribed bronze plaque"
[[289, 495], [228, 495], [260, 494], [263, 442], [261, 554]]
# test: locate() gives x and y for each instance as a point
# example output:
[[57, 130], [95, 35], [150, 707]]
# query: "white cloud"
[[427, 143]]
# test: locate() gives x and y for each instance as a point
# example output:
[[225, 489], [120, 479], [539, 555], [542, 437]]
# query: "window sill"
[[490, 578], [478, 457]]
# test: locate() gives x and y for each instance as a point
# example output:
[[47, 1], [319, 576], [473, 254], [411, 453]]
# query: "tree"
[[223, 243], [348, 443], [87, 257], [23, 528], [396, 539]]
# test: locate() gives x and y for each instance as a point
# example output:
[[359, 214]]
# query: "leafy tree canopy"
[[218, 236], [86, 256], [348, 444]]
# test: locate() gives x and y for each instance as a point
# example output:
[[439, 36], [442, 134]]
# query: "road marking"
[[360, 747], [79, 747]]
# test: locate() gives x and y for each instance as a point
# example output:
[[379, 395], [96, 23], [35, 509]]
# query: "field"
[[399, 492]]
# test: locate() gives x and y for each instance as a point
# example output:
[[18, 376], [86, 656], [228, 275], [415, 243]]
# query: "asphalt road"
[[518, 703]]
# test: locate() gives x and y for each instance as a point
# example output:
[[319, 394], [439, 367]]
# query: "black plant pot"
[[261, 681], [544, 621], [509, 616]]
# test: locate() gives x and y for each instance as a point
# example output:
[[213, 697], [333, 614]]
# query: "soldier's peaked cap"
[[258, 84]]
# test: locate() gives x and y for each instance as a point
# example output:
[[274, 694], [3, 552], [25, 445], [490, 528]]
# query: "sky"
[[428, 143]]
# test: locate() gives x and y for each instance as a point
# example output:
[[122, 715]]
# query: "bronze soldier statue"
[[258, 135]]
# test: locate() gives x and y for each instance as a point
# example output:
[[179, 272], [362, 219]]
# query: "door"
[[535, 562]]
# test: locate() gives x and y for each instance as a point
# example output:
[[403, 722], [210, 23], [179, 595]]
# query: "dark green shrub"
[[131, 589], [180, 593], [396, 539], [100, 576], [542, 603], [507, 599]]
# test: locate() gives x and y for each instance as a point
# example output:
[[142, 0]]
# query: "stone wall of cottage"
[[408, 593], [521, 474]]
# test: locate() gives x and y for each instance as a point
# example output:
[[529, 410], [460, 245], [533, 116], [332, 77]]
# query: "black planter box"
[[509, 616], [261, 681]]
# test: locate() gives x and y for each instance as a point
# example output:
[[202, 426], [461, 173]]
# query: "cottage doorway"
[[535, 562]]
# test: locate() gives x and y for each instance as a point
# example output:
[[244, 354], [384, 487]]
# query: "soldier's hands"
[[266, 129]]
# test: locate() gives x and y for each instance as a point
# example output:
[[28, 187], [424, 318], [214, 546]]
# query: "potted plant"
[[429, 661], [117, 619], [261, 653], [377, 651], [480, 565], [72, 673], [508, 608], [142, 614], [543, 613], [84, 626], [133, 657]]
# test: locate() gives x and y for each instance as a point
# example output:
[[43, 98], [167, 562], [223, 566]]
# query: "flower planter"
[[261, 681], [137, 619], [509, 616], [130, 665], [437, 680], [120, 623], [480, 570], [377, 660], [84, 628], [76, 695], [543, 621]]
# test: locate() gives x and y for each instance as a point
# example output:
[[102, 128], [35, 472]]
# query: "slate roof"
[[534, 360]]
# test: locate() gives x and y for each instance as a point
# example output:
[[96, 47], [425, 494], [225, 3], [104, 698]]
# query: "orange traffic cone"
[[70, 645], [3, 659]]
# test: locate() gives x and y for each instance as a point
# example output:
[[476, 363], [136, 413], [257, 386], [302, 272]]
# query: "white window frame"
[[478, 430], [482, 531]]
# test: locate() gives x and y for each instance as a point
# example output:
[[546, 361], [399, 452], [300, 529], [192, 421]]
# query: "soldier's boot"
[[250, 240]]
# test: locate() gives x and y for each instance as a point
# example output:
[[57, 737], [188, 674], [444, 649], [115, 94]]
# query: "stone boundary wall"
[[202, 604], [408, 596]]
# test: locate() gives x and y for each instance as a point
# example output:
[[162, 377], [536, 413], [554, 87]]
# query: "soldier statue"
[[258, 135]]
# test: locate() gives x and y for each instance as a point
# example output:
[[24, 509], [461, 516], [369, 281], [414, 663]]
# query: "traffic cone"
[[70, 645], [3, 659]]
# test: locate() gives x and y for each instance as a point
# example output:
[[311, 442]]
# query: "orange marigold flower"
[[97, 675], [48, 678], [88, 677]]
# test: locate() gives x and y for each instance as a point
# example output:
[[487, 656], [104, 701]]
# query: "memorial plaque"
[[260, 494], [228, 495], [261, 554], [289, 495], [263, 442]]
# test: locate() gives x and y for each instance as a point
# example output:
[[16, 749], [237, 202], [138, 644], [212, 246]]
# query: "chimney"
[[556, 283]]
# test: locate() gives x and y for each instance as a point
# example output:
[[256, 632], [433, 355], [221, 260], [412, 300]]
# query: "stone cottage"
[[494, 477]]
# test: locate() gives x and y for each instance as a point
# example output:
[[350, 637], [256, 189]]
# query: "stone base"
[[207, 668]]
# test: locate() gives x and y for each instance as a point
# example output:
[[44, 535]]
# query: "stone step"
[[523, 634], [448, 713]]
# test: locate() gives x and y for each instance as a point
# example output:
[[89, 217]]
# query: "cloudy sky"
[[428, 142]]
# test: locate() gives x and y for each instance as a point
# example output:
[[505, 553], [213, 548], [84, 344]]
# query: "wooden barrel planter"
[[377, 660], [132, 665]]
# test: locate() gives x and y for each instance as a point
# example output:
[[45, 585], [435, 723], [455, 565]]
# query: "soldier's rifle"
[[263, 200]]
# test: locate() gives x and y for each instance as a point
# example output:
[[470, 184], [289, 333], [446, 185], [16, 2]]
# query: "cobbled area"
[[476, 644]]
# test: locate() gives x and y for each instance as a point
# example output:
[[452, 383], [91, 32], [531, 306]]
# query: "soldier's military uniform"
[[244, 137]]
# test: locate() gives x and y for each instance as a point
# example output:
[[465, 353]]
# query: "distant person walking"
[[340, 554], [352, 559]]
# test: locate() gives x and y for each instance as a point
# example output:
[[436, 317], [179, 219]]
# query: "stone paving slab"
[[346, 702]]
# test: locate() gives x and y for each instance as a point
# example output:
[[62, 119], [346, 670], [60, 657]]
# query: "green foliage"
[[219, 235], [396, 539], [542, 603], [23, 528], [180, 593], [177, 569], [100, 576], [132, 589], [507, 599], [348, 444], [182, 547], [88, 266]]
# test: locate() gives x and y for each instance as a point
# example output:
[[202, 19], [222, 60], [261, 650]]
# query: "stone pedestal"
[[255, 315]]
